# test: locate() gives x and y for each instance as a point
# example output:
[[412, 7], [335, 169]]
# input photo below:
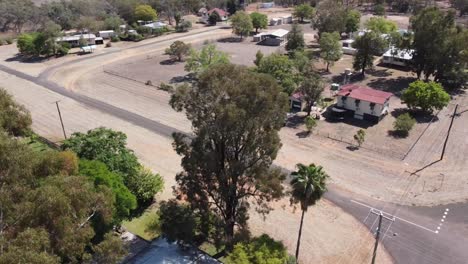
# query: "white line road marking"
[[396, 217]]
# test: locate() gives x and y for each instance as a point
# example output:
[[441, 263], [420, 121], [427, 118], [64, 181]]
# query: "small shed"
[[99, 41], [106, 34], [348, 47], [267, 5], [274, 38], [88, 49]]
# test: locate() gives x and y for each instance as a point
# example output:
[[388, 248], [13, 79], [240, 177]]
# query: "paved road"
[[415, 239]]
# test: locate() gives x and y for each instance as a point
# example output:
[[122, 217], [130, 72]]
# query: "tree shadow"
[[394, 85], [420, 116], [397, 134], [395, 67], [294, 121], [348, 119], [169, 62], [188, 78], [379, 73], [352, 148], [303, 134], [231, 40], [26, 59]]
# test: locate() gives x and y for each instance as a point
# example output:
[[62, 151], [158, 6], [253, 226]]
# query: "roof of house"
[[76, 37], [157, 24], [279, 33], [219, 11], [399, 53], [364, 93]]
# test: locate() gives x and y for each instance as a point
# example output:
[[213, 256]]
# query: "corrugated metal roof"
[[364, 93]]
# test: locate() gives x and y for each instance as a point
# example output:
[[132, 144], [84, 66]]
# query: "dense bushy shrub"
[[403, 124]]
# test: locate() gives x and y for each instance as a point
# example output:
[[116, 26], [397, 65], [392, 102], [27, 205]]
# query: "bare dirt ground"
[[323, 224], [337, 229]]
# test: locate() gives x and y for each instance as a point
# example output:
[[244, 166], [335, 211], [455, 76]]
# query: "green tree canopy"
[[353, 18], [295, 38], [259, 21], [282, 69], [178, 50], [303, 11], [100, 175], [177, 221], [227, 162], [241, 24], [15, 119], [368, 45], [145, 13], [330, 17], [259, 250], [145, 184], [330, 48], [311, 89], [113, 22], [199, 61], [428, 96], [107, 146], [359, 137], [403, 124], [381, 25]]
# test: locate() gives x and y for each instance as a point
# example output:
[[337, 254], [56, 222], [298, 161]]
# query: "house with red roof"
[[365, 103], [205, 15]]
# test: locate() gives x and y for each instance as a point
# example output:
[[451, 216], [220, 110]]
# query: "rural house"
[[363, 102], [223, 15]]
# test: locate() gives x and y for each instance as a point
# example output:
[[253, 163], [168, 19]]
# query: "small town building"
[[363, 102], [106, 34], [205, 17], [348, 47], [155, 25], [398, 57], [74, 40], [267, 5], [88, 49], [99, 41], [297, 103], [272, 38], [275, 22]]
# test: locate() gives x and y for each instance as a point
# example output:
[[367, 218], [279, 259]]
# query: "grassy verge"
[[145, 226], [35, 144]]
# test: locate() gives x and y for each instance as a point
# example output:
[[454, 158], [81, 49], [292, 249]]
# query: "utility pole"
[[379, 228], [61, 121]]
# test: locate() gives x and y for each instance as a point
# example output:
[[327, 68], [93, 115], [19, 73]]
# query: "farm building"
[[74, 40], [280, 20], [272, 38], [155, 25], [106, 34], [363, 102], [223, 15], [267, 5], [397, 57]]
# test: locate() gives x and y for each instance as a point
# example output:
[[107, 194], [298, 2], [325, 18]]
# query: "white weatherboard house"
[[365, 103]]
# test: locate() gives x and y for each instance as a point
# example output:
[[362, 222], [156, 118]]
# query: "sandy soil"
[[329, 235], [320, 244]]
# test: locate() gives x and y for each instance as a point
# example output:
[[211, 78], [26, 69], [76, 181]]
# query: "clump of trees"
[[304, 11], [199, 61], [178, 50], [259, 21], [403, 124], [381, 25], [145, 13], [262, 249], [15, 119], [295, 39], [427, 96], [110, 148], [241, 24], [223, 172], [282, 69], [367, 46], [330, 48]]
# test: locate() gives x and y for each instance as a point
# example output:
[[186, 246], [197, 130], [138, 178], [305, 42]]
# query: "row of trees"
[[61, 206]]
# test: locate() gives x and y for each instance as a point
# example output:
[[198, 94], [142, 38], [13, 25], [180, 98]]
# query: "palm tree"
[[308, 186]]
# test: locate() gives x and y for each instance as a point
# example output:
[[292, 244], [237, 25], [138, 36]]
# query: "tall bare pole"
[[377, 237], [61, 121]]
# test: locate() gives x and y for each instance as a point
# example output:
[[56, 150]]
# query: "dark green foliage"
[[241, 24], [258, 57], [259, 250], [304, 11], [145, 13], [360, 136], [15, 119], [110, 250], [113, 22], [214, 18], [184, 26], [330, 48], [144, 185], [330, 17], [367, 46], [259, 21], [309, 185], [105, 145], [100, 175], [403, 124], [178, 50], [428, 96], [227, 161], [115, 39], [379, 10], [311, 89], [353, 18], [381, 25], [282, 69], [177, 221], [295, 39]]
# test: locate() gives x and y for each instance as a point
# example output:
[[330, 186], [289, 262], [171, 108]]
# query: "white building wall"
[[363, 108]]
